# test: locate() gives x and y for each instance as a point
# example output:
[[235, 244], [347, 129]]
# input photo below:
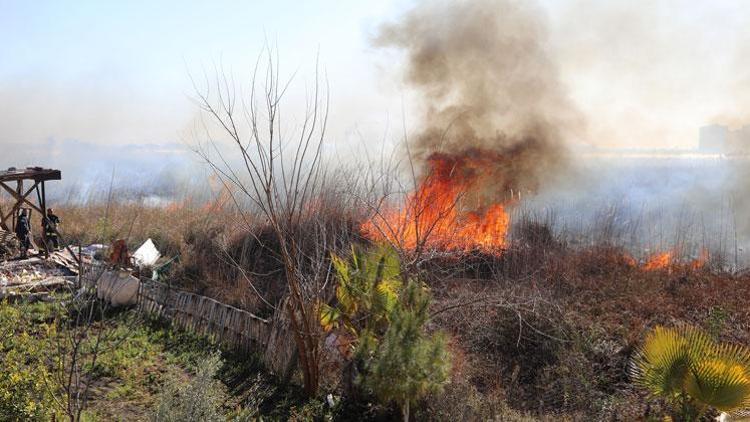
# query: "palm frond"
[[369, 284], [685, 362], [662, 362], [386, 296], [719, 382]]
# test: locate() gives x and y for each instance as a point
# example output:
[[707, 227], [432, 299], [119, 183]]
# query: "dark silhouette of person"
[[50, 226], [23, 232]]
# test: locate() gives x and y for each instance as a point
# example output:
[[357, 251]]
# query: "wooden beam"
[[5, 217], [3, 226], [36, 174], [21, 199], [19, 189], [14, 209], [40, 200]]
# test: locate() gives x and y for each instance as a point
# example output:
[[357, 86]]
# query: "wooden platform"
[[37, 174], [19, 193], [21, 200]]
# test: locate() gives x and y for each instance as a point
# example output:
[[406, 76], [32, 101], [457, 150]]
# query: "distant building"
[[719, 139], [713, 138], [739, 140]]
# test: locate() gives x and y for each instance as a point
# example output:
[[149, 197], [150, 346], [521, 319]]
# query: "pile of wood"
[[34, 278], [8, 244], [65, 259]]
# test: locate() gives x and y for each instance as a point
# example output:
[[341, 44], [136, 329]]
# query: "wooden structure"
[[269, 338], [20, 184], [36, 177], [235, 327]]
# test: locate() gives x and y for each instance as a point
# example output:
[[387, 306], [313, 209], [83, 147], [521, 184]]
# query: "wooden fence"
[[233, 327], [236, 329]]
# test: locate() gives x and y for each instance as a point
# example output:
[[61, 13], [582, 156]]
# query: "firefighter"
[[50, 226], [23, 232]]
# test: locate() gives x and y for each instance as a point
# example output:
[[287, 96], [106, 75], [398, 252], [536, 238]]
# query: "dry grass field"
[[538, 329]]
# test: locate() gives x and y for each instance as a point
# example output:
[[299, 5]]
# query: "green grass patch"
[[137, 358]]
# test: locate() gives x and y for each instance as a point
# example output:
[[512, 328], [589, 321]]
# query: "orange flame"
[[701, 261], [659, 261], [437, 215], [667, 260], [176, 206], [629, 260]]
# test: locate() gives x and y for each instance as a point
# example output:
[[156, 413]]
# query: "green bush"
[[200, 399], [407, 363], [24, 394], [402, 362]]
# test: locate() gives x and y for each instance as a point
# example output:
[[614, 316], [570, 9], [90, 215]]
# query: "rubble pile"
[[35, 276], [38, 276], [8, 244], [27, 275]]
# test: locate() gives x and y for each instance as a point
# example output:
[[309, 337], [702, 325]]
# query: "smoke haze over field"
[[90, 86], [516, 82], [650, 73]]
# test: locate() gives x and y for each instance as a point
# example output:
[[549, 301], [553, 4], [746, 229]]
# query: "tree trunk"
[[405, 411]]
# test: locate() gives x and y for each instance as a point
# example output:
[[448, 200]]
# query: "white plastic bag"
[[146, 255]]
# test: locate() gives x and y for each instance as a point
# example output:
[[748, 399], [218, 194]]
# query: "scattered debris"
[[8, 244], [163, 268], [119, 288], [146, 255], [119, 253], [35, 276], [96, 250], [67, 260]]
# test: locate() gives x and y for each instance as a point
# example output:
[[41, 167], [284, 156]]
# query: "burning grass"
[[448, 210], [659, 261], [669, 261]]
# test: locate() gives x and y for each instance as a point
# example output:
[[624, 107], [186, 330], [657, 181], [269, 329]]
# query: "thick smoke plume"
[[488, 86]]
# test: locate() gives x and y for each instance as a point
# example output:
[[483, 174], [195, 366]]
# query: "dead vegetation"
[[544, 329]]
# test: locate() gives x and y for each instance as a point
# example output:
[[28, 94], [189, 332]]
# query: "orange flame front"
[[659, 261], [438, 216], [701, 261], [668, 260]]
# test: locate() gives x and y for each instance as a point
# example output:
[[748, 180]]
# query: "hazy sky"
[[102, 78], [117, 72]]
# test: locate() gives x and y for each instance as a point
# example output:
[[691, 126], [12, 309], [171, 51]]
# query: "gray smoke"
[[486, 82]]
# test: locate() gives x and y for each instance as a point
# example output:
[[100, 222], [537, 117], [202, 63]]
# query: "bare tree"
[[275, 171]]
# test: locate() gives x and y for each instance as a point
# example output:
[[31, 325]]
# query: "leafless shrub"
[[274, 175]]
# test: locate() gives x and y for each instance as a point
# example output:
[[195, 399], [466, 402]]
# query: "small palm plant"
[[367, 292], [689, 370], [385, 314]]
